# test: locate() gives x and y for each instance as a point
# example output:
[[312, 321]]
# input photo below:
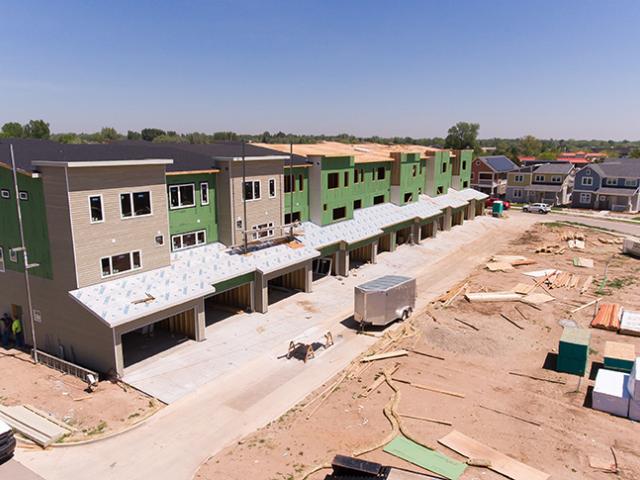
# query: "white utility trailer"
[[381, 301]]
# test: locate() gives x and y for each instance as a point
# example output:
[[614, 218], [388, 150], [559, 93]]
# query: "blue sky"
[[560, 69]]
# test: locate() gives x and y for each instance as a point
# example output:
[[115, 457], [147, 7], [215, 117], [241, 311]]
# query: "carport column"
[[308, 277], [393, 241], [261, 291], [434, 227], [200, 321], [447, 218], [415, 233], [374, 252], [472, 209], [342, 261], [118, 355]]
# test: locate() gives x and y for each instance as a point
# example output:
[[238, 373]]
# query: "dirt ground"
[[110, 408], [555, 430]]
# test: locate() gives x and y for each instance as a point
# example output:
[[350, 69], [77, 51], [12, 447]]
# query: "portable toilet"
[[497, 208]]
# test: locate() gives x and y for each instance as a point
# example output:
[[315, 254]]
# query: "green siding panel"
[[34, 220], [198, 217], [342, 196], [300, 198], [372, 186], [412, 175]]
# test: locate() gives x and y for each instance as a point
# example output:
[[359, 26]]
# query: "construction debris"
[[631, 246], [610, 241], [587, 283], [588, 304], [542, 379], [602, 464], [499, 266], [537, 298], [33, 426], [523, 288], [430, 460], [493, 297], [384, 356], [511, 321], [608, 317], [380, 380], [583, 262], [515, 417], [541, 273], [553, 249], [499, 462], [426, 354], [610, 393], [467, 324], [452, 292], [427, 419], [576, 244], [428, 388]]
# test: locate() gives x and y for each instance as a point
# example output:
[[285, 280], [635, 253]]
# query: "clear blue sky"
[[553, 68]]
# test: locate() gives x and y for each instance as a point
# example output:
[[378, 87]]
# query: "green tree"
[[12, 130], [462, 135], [529, 146], [66, 138], [149, 134], [166, 138], [109, 134], [131, 135], [37, 129], [635, 153]]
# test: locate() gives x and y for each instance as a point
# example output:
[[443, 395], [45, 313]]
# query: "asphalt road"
[[620, 227]]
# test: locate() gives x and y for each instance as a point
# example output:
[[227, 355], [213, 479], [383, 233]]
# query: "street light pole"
[[23, 247]]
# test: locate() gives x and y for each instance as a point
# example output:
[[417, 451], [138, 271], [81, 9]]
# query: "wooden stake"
[[550, 380], [520, 312], [467, 324], [427, 419], [511, 321], [426, 354], [431, 389], [575, 310], [511, 416]]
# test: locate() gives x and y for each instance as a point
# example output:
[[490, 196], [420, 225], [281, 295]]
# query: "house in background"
[[550, 183], [489, 174], [611, 185]]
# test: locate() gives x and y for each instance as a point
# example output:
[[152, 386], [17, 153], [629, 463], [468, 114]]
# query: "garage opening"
[[427, 230], [286, 285], [324, 267], [157, 337], [361, 256], [228, 303], [384, 243], [457, 217], [403, 236]]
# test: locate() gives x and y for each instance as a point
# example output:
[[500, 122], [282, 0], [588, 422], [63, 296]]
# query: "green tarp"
[[431, 460]]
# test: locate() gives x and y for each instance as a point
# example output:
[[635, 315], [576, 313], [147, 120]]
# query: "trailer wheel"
[[406, 313]]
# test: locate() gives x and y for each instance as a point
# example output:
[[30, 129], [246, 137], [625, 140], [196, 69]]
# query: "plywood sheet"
[[500, 462], [431, 460], [537, 298]]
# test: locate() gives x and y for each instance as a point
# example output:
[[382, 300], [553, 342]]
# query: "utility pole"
[[23, 248], [292, 183], [244, 198]]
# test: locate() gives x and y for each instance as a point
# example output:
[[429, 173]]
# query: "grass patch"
[[98, 429], [622, 282]]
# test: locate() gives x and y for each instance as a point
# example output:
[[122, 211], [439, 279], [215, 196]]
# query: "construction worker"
[[16, 328], [5, 330]]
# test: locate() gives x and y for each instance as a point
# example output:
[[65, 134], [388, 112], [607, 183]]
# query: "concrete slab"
[[13, 470]]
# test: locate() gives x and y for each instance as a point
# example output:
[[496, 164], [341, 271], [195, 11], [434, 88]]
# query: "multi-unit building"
[[611, 185], [489, 174], [550, 182], [133, 237]]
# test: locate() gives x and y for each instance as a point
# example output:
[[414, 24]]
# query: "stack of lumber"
[[619, 356], [630, 323], [514, 260], [33, 426], [563, 280], [555, 249], [610, 393], [573, 350], [452, 293], [576, 244], [608, 317], [633, 387], [583, 262]]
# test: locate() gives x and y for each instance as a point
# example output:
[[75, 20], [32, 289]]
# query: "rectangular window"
[[587, 181], [556, 179], [346, 179], [444, 167], [24, 196], [414, 171], [13, 255], [264, 230], [464, 165], [252, 190], [381, 173], [183, 241], [517, 194], [439, 191], [136, 204], [333, 180], [1, 259], [290, 218], [4, 193], [539, 178], [465, 184], [356, 176], [408, 197], [357, 204], [272, 188], [585, 198], [288, 180], [518, 178], [300, 183], [339, 213], [204, 193], [181, 196], [630, 182], [121, 263], [611, 181], [378, 199], [95, 209]]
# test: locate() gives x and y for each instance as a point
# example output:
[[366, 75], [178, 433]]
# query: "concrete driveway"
[[172, 444], [13, 470]]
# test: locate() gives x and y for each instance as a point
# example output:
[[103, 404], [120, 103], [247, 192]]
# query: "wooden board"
[[523, 288], [493, 297], [430, 460], [500, 462], [382, 356], [499, 266], [537, 298]]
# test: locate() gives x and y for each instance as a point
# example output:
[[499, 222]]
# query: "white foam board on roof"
[[468, 194], [610, 393], [633, 384], [445, 201]]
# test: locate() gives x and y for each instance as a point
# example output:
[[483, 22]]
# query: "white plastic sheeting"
[[610, 393]]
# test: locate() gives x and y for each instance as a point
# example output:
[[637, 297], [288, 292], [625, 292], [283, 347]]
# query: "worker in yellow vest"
[[18, 335]]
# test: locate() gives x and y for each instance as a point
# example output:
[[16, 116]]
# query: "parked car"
[[490, 201], [381, 301], [537, 208], [7, 442]]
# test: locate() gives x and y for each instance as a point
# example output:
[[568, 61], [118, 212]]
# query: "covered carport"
[[275, 285], [457, 216], [232, 296], [363, 252]]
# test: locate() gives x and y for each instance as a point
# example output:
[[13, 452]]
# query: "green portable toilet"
[[497, 208], [573, 350]]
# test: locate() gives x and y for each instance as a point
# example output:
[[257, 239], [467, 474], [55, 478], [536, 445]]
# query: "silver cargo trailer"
[[385, 299]]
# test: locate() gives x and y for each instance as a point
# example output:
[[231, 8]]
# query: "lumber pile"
[[583, 262], [451, 294], [610, 241], [32, 425], [553, 249], [493, 297], [608, 317]]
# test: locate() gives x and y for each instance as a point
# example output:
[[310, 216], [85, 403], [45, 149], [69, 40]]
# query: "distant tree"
[[131, 135], [529, 146], [109, 134], [69, 138], [37, 129], [635, 153], [149, 134], [198, 138], [166, 138], [548, 155], [12, 130], [226, 136], [462, 135]]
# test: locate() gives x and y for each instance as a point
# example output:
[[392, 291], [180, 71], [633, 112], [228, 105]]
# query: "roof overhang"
[[194, 172], [104, 163], [254, 158]]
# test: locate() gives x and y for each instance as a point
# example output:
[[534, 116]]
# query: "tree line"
[[459, 136]]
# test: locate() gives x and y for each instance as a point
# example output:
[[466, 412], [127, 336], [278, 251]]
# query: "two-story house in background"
[[133, 237], [550, 183], [489, 174], [611, 185]]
